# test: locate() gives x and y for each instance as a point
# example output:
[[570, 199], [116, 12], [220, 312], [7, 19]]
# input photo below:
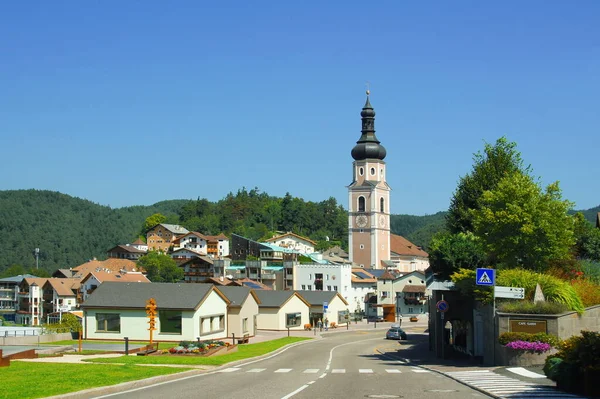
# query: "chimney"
[[221, 278]]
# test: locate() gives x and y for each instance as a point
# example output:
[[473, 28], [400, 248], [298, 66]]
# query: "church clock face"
[[361, 220], [382, 220]]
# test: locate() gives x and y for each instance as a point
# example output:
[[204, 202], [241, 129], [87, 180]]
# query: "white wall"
[[236, 315], [294, 243], [275, 318], [333, 275], [357, 295], [223, 247]]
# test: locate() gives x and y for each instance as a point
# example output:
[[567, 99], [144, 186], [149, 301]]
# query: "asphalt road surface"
[[344, 365]]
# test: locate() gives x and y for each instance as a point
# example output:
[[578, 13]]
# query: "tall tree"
[[160, 268], [489, 167], [523, 226], [450, 252], [153, 220]]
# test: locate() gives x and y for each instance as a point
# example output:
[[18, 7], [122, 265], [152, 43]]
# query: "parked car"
[[395, 333]]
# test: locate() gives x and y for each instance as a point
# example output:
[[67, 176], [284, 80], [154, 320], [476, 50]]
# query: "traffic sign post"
[[442, 306]]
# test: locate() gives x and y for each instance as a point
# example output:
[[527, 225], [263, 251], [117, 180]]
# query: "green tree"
[[450, 252], [522, 226], [160, 268], [153, 220], [496, 162]]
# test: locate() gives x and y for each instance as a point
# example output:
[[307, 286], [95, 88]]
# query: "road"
[[340, 365]]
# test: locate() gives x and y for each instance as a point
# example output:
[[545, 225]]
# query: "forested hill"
[[70, 231]]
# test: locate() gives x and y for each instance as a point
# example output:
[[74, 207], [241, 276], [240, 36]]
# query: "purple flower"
[[535, 347]]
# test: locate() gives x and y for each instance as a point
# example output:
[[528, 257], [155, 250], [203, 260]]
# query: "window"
[[327, 275], [372, 171], [381, 205], [170, 321], [303, 287], [335, 287], [310, 287], [328, 288], [361, 204], [361, 171], [293, 319], [245, 324], [310, 276], [108, 322], [212, 324], [362, 246], [410, 310]]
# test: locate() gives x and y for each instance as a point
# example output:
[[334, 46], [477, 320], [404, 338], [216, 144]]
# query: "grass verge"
[[244, 352], [22, 379]]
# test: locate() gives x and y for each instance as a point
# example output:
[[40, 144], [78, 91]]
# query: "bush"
[[507, 337], [527, 307], [534, 347], [588, 291], [576, 357]]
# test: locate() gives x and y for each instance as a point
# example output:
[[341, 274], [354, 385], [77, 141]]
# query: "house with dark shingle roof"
[[242, 312], [184, 311], [280, 310], [404, 293], [337, 306]]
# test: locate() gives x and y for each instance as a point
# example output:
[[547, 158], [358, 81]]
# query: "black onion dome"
[[368, 147]]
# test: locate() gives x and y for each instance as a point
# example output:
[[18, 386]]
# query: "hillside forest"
[[70, 231]]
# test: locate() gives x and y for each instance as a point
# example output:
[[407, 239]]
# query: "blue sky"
[[130, 103]]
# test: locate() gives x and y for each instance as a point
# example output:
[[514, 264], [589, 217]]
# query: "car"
[[395, 333]]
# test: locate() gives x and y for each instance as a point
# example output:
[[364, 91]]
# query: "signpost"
[[509, 292], [485, 277], [528, 326], [151, 312]]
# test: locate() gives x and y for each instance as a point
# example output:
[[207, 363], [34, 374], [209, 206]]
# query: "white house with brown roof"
[[60, 294], [113, 264], [29, 294], [406, 292], [406, 257], [323, 277], [293, 241], [93, 280]]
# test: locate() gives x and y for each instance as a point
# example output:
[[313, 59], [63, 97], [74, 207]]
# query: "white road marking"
[[393, 371], [283, 370], [338, 371], [421, 371], [289, 395], [255, 370], [365, 371], [524, 372], [229, 370], [311, 371]]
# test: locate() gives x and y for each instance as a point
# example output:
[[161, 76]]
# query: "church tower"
[[369, 198]]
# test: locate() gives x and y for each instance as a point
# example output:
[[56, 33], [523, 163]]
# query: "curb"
[[125, 386]]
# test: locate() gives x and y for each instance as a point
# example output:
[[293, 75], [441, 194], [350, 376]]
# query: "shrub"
[[508, 337], [588, 291], [527, 307]]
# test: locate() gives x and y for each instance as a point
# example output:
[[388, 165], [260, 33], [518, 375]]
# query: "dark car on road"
[[395, 333]]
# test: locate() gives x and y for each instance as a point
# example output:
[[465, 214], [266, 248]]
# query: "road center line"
[[303, 387]]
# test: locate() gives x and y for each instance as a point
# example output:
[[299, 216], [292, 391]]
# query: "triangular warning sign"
[[484, 279]]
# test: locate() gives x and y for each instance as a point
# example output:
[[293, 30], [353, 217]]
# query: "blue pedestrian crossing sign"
[[485, 277]]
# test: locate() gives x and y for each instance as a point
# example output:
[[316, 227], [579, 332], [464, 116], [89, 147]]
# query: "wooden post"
[[79, 332], [151, 312]]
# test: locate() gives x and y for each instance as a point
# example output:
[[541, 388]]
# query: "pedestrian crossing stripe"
[[484, 279]]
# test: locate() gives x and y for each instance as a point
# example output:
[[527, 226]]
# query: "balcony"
[[253, 275], [268, 276], [289, 277]]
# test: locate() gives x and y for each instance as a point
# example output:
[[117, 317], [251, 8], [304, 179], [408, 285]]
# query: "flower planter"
[[514, 357]]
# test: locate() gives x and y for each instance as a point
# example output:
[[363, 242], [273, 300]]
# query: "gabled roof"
[[224, 282], [103, 276], [360, 275], [134, 295], [414, 288], [316, 298], [173, 228], [64, 273], [138, 242], [127, 248], [238, 295], [112, 264], [39, 281], [16, 279], [401, 246], [205, 258], [64, 286], [336, 251], [276, 299], [293, 235], [386, 276]]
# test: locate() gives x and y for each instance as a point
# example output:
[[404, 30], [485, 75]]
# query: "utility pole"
[[36, 253]]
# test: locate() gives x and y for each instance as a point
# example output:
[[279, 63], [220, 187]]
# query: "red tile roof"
[[402, 246]]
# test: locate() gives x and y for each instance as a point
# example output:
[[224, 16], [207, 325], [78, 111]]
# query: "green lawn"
[[27, 380], [244, 352]]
